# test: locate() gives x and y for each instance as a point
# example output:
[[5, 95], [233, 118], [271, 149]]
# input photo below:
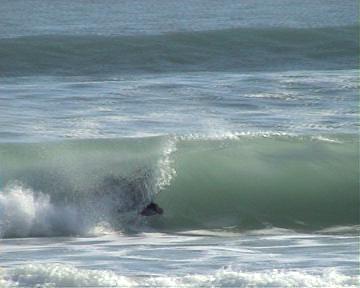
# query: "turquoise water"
[[240, 118]]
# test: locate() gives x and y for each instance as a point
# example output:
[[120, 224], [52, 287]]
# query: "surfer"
[[151, 210]]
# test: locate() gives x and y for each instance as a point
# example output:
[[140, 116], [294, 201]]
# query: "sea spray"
[[165, 170], [24, 213]]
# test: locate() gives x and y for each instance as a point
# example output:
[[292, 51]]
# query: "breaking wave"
[[61, 275], [240, 49], [242, 182]]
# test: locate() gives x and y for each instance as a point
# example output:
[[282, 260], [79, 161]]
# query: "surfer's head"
[[152, 209], [155, 207]]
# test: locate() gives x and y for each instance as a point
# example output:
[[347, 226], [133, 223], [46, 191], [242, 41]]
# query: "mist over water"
[[239, 118]]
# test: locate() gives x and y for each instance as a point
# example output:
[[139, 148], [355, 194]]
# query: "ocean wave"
[[62, 275], [239, 49], [242, 182]]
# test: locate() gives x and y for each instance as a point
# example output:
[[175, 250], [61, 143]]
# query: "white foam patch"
[[25, 213], [326, 139], [60, 275], [342, 230], [165, 170], [233, 135]]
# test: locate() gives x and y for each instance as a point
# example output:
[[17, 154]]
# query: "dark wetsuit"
[[152, 209]]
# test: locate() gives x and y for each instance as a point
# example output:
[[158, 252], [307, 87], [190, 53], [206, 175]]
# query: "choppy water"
[[240, 118], [268, 258]]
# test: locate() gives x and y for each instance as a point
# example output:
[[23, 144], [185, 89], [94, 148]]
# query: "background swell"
[[240, 49]]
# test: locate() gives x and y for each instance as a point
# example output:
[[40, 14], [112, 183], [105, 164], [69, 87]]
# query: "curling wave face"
[[243, 182]]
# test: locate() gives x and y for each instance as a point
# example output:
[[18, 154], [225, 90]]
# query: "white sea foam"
[[26, 213], [326, 139], [61, 275], [234, 135]]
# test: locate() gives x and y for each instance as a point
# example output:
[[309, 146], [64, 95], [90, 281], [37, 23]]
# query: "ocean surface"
[[239, 118]]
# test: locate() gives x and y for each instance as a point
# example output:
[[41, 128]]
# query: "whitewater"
[[239, 118]]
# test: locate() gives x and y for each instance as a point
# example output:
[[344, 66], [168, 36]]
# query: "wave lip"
[[240, 49]]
